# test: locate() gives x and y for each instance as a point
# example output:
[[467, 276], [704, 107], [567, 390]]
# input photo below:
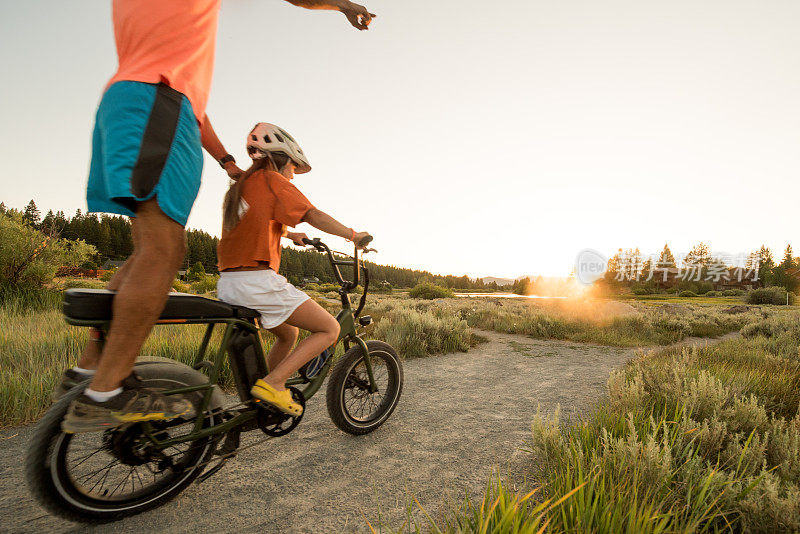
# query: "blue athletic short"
[[146, 144]]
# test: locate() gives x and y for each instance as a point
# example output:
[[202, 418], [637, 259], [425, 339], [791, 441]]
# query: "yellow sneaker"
[[281, 400]]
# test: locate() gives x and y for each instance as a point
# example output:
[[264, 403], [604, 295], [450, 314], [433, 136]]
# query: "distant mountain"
[[499, 281]]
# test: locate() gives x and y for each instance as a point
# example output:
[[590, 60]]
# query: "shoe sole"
[[57, 394], [78, 426], [256, 392]]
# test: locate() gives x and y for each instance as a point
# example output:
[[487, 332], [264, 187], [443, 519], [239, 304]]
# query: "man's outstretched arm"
[[212, 144], [358, 15]]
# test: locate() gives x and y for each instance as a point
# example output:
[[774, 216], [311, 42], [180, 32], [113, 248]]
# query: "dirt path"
[[462, 417]]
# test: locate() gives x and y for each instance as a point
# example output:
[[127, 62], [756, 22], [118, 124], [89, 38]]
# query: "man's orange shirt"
[[269, 202], [170, 41]]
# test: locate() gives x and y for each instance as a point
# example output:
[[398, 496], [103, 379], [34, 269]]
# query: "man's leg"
[[142, 293], [114, 397], [90, 357], [286, 337]]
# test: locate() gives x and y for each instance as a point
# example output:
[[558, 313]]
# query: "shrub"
[[770, 295], [109, 274], [695, 286], [779, 333], [207, 284], [429, 291], [687, 294], [733, 292], [713, 294], [84, 284], [705, 440], [181, 287], [640, 291], [327, 287], [29, 259], [196, 272], [419, 333], [380, 287]]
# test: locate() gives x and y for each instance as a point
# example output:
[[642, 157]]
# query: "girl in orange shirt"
[[256, 211]]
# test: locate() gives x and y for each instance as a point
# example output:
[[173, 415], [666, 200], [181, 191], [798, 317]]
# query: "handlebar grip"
[[316, 243]]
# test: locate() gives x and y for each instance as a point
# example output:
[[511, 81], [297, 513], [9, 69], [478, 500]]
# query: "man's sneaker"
[[134, 405], [69, 380]]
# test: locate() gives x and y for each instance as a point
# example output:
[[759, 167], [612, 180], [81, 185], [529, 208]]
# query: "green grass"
[[596, 321], [416, 333], [36, 347], [688, 440], [730, 301]]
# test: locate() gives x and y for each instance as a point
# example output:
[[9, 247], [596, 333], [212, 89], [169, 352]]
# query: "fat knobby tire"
[[39, 464], [338, 379]]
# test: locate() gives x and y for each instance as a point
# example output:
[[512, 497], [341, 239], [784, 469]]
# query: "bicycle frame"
[[348, 334]]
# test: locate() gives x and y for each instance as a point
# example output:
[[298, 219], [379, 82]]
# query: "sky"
[[468, 137]]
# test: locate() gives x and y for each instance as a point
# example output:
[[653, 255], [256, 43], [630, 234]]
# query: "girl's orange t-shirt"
[[269, 203]]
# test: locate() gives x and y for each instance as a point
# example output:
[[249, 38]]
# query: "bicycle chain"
[[226, 456]]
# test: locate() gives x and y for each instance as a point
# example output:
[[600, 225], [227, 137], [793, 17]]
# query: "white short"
[[265, 291]]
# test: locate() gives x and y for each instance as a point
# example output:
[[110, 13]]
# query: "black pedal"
[[365, 320], [275, 423]]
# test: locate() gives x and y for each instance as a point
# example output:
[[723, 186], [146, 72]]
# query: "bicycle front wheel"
[[351, 405]]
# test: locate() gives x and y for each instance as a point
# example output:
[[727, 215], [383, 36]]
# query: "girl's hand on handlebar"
[[297, 238], [358, 237]]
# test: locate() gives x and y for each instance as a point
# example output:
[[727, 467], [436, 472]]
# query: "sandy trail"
[[462, 417]]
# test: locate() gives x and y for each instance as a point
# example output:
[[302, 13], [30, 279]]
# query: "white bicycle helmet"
[[265, 138]]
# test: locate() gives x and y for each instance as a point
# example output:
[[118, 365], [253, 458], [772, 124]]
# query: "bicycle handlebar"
[[322, 247]]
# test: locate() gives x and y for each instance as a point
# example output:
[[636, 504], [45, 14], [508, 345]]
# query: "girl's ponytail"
[[230, 206]]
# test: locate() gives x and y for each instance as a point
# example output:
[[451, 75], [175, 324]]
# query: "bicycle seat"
[[95, 305]]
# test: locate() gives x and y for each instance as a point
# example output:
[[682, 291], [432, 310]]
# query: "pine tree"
[[32, 214], [196, 272], [788, 260], [666, 260], [699, 255], [47, 225]]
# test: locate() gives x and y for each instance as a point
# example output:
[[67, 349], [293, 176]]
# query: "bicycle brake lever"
[[369, 250]]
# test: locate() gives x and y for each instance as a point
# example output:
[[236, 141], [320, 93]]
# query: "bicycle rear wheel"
[[351, 406], [98, 477]]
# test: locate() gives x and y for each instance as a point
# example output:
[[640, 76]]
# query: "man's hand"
[[234, 172], [358, 15], [297, 238]]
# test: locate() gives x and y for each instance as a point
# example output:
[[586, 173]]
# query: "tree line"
[[111, 237], [631, 268]]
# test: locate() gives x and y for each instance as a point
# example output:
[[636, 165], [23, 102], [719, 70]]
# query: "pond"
[[506, 296]]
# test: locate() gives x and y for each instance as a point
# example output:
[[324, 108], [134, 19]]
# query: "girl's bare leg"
[[324, 332], [286, 335]]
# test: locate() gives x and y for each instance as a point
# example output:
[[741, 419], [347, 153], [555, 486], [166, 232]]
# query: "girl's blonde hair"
[[230, 206]]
